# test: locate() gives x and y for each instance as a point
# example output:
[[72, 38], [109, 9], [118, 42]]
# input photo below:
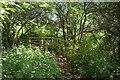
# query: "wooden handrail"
[[42, 40], [50, 38]]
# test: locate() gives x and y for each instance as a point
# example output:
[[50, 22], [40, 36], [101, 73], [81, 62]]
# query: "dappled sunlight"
[[69, 40]]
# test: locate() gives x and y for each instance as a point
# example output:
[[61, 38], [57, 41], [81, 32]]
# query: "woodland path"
[[63, 62], [65, 66]]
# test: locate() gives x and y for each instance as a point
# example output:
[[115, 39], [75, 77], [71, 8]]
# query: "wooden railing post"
[[29, 43], [40, 44], [52, 44], [46, 46]]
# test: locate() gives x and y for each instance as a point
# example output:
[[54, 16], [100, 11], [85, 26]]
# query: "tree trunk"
[[63, 30], [0, 38], [75, 34], [83, 22], [119, 26], [119, 47], [80, 28]]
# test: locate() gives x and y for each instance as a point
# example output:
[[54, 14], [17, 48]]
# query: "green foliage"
[[92, 62], [24, 62], [97, 54]]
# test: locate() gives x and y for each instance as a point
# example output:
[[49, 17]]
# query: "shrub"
[[24, 62], [91, 65], [93, 62]]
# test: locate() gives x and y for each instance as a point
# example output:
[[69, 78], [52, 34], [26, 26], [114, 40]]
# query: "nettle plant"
[[25, 62]]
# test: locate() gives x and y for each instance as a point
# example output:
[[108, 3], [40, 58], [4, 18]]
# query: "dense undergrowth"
[[93, 62], [24, 62]]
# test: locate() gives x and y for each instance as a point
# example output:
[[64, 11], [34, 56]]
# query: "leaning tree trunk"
[[119, 29]]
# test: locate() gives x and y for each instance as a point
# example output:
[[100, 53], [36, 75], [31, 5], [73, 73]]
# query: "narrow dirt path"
[[66, 67]]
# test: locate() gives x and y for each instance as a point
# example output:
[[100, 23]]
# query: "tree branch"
[[26, 23]]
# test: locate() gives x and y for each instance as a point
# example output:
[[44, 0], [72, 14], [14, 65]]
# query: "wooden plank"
[[59, 45], [50, 38], [63, 40], [29, 43], [34, 43], [40, 37], [63, 46], [35, 40], [46, 37], [34, 37]]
